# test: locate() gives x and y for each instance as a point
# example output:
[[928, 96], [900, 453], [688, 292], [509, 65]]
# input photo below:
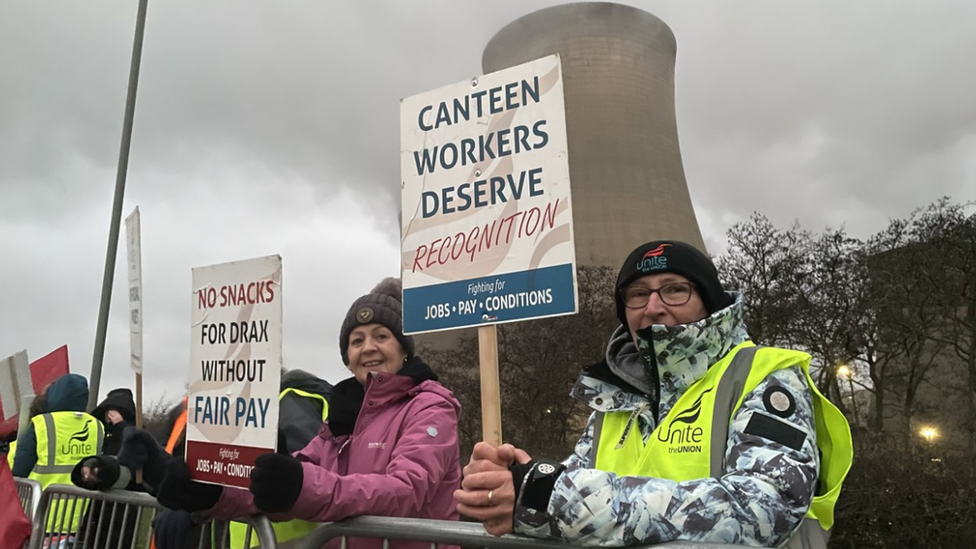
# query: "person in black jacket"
[[117, 412]]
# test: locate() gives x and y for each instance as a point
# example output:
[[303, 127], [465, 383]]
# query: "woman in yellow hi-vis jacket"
[[55, 440], [696, 434]]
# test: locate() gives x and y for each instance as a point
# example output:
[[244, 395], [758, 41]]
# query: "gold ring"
[[490, 493]]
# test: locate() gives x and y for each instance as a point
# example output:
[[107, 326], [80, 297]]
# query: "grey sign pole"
[[113, 237]]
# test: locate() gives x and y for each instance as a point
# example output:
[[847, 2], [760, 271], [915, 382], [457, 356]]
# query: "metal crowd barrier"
[[443, 532], [128, 515], [116, 520], [29, 492]]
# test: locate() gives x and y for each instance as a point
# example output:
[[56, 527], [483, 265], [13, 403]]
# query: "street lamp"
[[929, 433], [845, 371]]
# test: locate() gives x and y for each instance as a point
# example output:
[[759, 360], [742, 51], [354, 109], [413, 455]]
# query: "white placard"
[[15, 383], [133, 238], [487, 226], [235, 368]]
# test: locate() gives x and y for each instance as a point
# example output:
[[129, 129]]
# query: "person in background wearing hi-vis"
[[9, 449], [389, 447], [696, 434], [37, 407], [302, 408], [55, 440]]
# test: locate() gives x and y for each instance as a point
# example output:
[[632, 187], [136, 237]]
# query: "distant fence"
[[67, 517]]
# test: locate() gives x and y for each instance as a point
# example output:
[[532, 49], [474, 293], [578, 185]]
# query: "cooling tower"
[[628, 182]]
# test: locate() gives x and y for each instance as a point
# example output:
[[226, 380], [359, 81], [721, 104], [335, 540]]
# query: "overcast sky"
[[273, 128]]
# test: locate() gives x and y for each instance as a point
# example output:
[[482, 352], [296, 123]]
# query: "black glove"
[[138, 448], [141, 451], [178, 491], [172, 529], [104, 473], [276, 481]]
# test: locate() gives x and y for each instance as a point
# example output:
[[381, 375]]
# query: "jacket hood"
[[667, 359], [68, 393], [117, 399], [300, 417], [625, 361], [304, 381]]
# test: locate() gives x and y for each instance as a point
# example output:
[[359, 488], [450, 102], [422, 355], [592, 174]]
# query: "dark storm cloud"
[[828, 112], [273, 128]]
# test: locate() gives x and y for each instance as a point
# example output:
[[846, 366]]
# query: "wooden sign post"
[[491, 406]]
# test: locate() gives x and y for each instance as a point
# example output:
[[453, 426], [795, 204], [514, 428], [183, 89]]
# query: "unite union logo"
[[78, 444], [686, 439], [653, 259]]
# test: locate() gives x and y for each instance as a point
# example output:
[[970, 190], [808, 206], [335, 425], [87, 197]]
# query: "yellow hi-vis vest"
[[11, 453], [64, 439], [690, 443], [287, 530]]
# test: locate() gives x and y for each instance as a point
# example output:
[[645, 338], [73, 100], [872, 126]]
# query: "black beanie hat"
[[380, 306], [672, 256]]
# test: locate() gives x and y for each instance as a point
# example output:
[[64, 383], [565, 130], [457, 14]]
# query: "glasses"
[[674, 294]]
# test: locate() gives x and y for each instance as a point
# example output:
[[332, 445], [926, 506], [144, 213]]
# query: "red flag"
[[15, 528], [42, 371], [48, 368]]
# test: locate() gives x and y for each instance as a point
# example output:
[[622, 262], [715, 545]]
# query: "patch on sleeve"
[[779, 402], [776, 431]]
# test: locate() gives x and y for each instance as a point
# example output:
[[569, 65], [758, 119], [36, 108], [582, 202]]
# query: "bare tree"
[[829, 295], [909, 302], [538, 363], [765, 264], [949, 234], [804, 292]]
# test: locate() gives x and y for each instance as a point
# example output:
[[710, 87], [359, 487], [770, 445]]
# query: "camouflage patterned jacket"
[[767, 487]]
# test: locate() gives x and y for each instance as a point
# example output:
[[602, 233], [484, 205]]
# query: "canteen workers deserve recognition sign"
[[235, 369], [487, 218]]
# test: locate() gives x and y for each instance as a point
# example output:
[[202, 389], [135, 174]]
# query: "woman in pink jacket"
[[389, 447]]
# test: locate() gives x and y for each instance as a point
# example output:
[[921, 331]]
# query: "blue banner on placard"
[[490, 299]]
